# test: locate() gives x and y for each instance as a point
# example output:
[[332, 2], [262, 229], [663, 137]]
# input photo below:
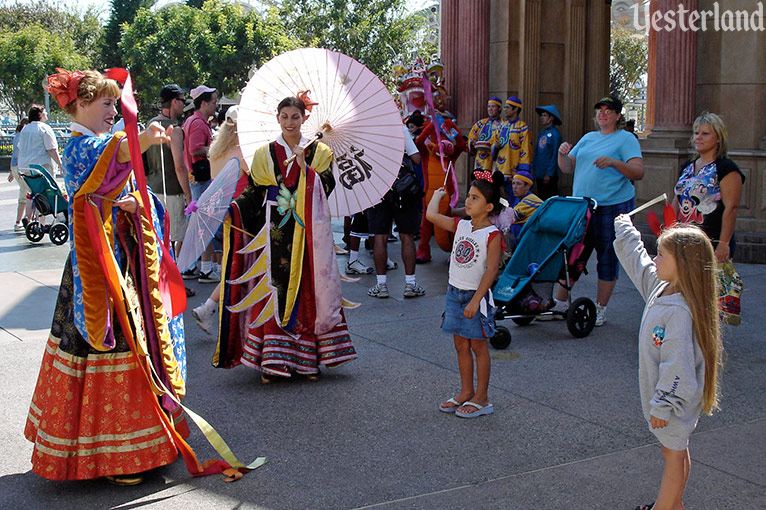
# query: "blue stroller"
[[550, 243], [47, 199]]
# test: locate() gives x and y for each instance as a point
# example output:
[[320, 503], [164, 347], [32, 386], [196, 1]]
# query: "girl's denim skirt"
[[455, 323]]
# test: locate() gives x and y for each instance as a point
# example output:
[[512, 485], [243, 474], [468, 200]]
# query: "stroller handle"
[[592, 200]]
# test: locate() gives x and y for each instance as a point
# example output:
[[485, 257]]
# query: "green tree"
[[29, 55], [83, 28], [216, 45], [122, 11], [375, 32], [628, 62]]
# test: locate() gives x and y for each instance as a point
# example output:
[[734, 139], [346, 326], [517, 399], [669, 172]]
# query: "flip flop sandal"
[[645, 507], [450, 409], [391, 265], [480, 410]]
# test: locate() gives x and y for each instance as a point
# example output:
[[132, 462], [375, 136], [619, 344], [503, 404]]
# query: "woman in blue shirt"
[[604, 164]]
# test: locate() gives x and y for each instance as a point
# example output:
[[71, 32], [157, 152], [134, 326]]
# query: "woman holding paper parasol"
[[281, 307]]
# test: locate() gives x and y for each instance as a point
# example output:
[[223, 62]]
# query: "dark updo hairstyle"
[[492, 191], [292, 101], [35, 113]]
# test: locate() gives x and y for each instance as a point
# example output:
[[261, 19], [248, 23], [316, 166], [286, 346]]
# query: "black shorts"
[[359, 226], [406, 214]]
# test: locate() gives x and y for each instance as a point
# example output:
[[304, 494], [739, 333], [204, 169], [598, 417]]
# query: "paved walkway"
[[567, 431]]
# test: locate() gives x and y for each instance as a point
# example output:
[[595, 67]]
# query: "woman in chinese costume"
[[281, 306], [95, 410]]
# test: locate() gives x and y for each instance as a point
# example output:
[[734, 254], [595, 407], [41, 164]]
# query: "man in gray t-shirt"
[[173, 189]]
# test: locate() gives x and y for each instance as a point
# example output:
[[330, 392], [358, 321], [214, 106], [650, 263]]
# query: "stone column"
[[574, 94], [530, 51], [473, 61], [596, 58], [651, 72], [675, 83], [450, 28]]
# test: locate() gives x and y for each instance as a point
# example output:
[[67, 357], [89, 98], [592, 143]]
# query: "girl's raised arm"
[[432, 213]]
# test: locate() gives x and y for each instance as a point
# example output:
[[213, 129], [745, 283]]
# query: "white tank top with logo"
[[468, 261]]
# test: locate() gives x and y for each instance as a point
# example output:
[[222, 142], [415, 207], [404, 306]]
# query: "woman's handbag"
[[729, 291]]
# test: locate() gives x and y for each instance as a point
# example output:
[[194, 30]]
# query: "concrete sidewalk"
[[567, 431]]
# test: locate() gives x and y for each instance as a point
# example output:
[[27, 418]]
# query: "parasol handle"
[[649, 204], [319, 135]]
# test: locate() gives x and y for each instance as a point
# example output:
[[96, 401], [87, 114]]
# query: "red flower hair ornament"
[[303, 95], [63, 85]]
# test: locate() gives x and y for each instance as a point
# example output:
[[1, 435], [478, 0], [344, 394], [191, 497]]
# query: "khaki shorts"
[[23, 188], [175, 206]]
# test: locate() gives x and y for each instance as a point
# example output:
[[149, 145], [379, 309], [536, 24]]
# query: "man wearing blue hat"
[[511, 147], [545, 162], [479, 139]]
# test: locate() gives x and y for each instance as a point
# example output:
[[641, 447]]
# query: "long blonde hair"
[[224, 140], [696, 280]]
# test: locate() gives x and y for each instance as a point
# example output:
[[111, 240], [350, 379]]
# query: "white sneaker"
[[380, 290], [204, 318], [600, 315], [357, 267]]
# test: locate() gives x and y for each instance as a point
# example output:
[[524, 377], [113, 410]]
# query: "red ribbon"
[[171, 283]]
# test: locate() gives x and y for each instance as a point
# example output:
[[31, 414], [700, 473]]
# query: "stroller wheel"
[[522, 321], [581, 317], [502, 338], [59, 234], [34, 231]]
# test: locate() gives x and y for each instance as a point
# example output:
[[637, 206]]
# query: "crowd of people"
[[278, 302]]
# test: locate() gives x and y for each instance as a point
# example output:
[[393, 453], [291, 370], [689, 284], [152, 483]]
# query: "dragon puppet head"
[[409, 85]]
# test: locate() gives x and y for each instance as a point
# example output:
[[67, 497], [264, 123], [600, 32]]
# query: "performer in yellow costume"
[[480, 137], [511, 146]]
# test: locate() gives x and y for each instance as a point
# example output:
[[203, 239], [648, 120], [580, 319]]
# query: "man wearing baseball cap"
[[481, 134], [511, 148], [197, 139], [173, 190]]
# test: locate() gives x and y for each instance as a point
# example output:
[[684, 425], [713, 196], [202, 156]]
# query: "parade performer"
[[524, 202], [469, 311], [482, 132], [679, 344], [452, 144], [281, 307], [95, 411], [511, 146]]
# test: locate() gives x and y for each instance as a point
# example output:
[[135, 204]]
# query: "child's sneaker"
[[204, 318], [413, 290], [600, 315], [357, 267], [380, 290]]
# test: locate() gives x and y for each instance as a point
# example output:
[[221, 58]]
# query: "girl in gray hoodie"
[[679, 346]]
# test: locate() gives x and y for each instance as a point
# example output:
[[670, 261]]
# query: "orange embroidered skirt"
[[92, 413]]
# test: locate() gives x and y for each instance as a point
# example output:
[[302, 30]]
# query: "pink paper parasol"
[[366, 128]]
